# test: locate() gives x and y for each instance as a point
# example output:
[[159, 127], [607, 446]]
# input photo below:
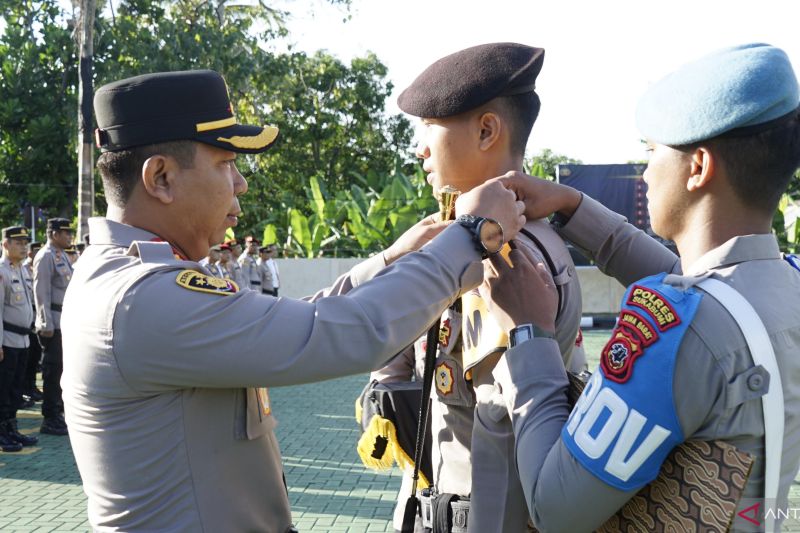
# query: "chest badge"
[[444, 379]]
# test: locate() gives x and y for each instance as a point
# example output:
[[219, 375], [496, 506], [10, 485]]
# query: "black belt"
[[55, 307], [16, 329], [255, 283]]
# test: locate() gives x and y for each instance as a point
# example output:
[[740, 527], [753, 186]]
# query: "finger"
[[520, 205], [430, 219]]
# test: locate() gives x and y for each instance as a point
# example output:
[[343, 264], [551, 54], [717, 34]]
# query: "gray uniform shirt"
[[716, 396], [52, 273], [249, 270], [473, 441], [265, 274], [167, 424], [16, 303]]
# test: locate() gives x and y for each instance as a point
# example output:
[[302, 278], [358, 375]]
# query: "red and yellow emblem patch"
[[628, 341], [655, 305], [444, 333], [197, 281], [444, 379]]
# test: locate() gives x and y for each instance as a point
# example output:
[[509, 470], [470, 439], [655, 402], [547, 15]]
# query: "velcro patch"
[[655, 305], [197, 281]]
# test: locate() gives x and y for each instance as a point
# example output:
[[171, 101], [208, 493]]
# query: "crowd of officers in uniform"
[[33, 279]]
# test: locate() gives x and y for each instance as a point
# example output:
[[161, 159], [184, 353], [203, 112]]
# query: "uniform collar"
[[105, 231], [737, 250]]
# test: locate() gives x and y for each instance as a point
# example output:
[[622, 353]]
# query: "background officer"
[[724, 137], [34, 348], [16, 317], [167, 367], [248, 260], [265, 273], [52, 272], [272, 252]]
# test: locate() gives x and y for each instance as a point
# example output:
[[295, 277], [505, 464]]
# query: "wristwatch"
[[526, 332], [487, 233]]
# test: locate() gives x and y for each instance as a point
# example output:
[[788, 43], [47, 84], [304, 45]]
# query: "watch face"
[[491, 235]]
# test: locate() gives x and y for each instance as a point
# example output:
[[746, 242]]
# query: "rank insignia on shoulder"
[[655, 305], [444, 379], [197, 281]]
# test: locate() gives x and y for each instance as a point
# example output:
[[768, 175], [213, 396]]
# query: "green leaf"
[[300, 231], [318, 201], [270, 236]]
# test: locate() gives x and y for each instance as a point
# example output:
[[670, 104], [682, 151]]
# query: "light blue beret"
[[737, 87]]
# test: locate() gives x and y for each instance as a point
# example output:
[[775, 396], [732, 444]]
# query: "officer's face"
[[252, 248], [62, 238], [213, 256], [449, 149], [205, 198], [16, 249], [225, 256], [666, 175]]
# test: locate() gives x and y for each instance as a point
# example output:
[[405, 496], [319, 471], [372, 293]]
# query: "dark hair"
[[520, 112], [759, 166], [121, 170]]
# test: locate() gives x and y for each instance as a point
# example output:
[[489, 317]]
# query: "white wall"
[[302, 277]]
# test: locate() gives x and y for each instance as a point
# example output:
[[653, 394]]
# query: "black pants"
[[11, 373], [34, 358], [52, 366]]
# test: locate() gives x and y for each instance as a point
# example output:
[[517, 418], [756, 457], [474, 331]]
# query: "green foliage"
[[38, 109], [374, 213], [543, 164], [789, 236], [331, 114]]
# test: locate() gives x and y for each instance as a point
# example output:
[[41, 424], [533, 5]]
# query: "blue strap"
[[793, 260]]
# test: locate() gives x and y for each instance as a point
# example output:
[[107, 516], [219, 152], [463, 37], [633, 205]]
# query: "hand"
[[542, 197], [415, 237], [493, 200], [1, 355], [46, 333], [520, 295]]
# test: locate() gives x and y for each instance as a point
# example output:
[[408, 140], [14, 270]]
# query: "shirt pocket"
[[449, 383], [253, 417], [17, 292], [63, 275]]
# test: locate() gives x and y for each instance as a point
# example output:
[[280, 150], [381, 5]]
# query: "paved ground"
[[330, 490]]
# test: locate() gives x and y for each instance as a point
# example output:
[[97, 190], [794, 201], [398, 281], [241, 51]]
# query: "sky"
[[599, 56]]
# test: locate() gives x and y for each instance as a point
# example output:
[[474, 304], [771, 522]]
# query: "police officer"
[[16, 317], [248, 260], [264, 272], [52, 272], [211, 261], [478, 107], [724, 139], [272, 252], [34, 348], [236, 268], [164, 386]]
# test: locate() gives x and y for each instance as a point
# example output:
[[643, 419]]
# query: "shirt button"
[[755, 382]]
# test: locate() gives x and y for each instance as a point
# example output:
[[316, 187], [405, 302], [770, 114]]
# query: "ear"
[[491, 127], [158, 174], [703, 169]]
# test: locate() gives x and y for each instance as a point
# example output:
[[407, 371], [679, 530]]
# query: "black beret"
[[56, 224], [173, 106], [467, 79], [263, 249], [16, 232]]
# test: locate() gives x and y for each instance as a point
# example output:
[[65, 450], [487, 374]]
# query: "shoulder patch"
[[444, 379], [655, 305], [197, 281]]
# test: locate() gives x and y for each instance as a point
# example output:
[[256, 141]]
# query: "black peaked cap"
[[16, 232], [471, 77], [173, 106], [56, 224]]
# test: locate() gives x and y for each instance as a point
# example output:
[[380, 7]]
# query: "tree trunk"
[[85, 137]]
